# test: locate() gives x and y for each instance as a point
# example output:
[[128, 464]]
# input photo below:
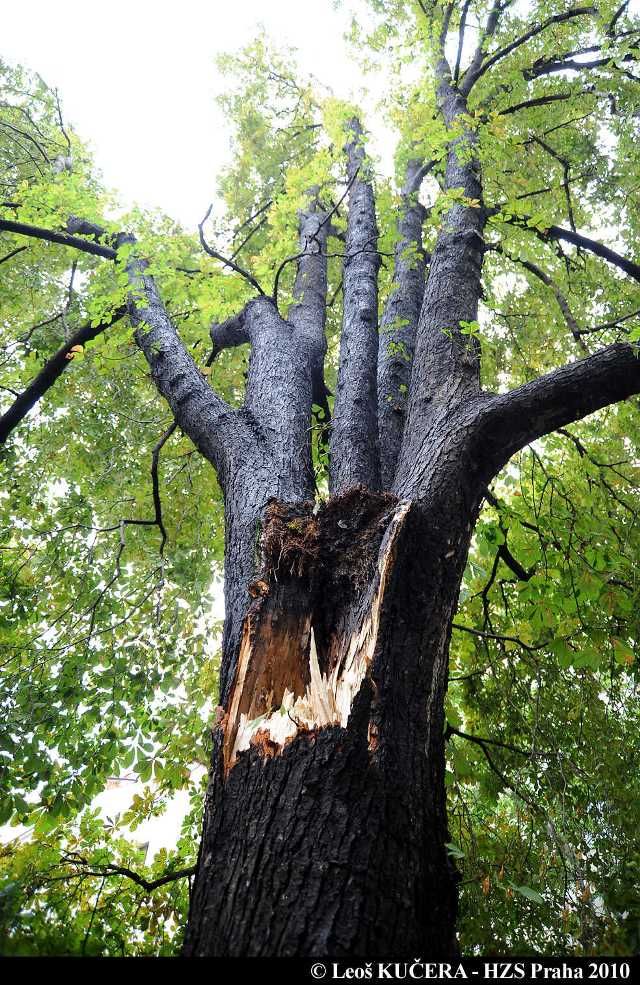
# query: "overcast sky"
[[137, 80]]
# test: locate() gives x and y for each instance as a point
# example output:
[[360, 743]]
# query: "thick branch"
[[593, 246], [309, 312], [210, 423], [354, 435], [62, 239], [512, 420], [471, 74], [446, 369], [568, 63], [229, 334]]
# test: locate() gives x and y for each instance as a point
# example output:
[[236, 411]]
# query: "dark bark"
[[472, 77], [215, 429], [581, 242], [398, 324], [326, 834], [338, 815], [354, 447], [324, 829], [61, 239], [508, 422]]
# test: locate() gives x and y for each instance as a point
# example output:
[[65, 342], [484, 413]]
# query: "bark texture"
[[336, 808], [399, 323], [354, 434]]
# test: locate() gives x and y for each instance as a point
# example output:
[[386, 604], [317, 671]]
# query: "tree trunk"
[[325, 823]]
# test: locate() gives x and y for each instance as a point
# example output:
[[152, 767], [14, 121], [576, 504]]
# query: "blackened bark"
[[330, 839], [354, 447], [62, 239], [398, 324], [507, 422]]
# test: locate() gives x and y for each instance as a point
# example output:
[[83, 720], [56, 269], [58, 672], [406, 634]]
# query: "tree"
[[350, 507]]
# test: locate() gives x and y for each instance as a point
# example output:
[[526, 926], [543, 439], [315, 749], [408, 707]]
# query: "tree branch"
[[537, 101], [577, 239], [308, 314], [355, 456], [226, 262], [563, 304], [51, 371], [512, 420], [121, 870], [461, 31], [62, 239], [518, 42], [204, 416], [451, 730], [13, 253], [399, 322], [471, 74]]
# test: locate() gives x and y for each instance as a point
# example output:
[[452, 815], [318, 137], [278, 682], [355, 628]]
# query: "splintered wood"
[[280, 690]]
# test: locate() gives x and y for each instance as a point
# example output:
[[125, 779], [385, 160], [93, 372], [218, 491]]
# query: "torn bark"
[[315, 763]]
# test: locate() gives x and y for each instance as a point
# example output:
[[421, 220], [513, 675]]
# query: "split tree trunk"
[[325, 820]]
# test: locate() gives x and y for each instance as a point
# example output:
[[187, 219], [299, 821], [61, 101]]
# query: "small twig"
[[121, 870], [480, 741], [224, 260], [155, 458], [499, 637], [13, 253]]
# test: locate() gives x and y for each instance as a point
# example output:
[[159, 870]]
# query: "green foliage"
[[552, 673]]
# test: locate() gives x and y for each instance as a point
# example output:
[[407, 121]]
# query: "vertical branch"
[[309, 313], [278, 396], [447, 360], [354, 445], [398, 323]]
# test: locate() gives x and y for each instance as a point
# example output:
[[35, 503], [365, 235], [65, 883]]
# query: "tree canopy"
[[111, 523]]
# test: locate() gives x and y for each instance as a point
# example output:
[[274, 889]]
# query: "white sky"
[[137, 80]]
